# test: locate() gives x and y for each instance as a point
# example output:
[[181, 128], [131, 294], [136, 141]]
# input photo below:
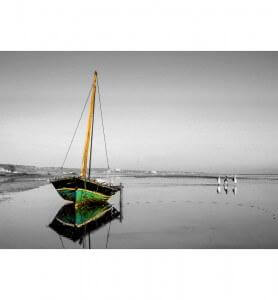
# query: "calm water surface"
[[156, 213]]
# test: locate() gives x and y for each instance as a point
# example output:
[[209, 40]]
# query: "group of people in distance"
[[226, 185], [226, 180]]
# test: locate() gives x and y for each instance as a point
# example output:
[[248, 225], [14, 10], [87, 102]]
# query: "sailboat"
[[80, 223], [81, 189]]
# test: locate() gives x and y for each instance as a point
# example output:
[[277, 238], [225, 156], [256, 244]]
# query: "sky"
[[186, 111]]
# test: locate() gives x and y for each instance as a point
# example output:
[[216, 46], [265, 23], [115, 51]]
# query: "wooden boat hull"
[[80, 191], [79, 196]]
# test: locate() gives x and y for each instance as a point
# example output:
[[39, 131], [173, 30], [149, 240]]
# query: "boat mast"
[[89, 131]]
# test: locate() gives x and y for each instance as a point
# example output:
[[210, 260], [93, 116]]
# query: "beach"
[[157, 213], [19, 183]]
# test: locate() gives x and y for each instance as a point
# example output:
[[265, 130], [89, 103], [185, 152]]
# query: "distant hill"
[[17, 170]]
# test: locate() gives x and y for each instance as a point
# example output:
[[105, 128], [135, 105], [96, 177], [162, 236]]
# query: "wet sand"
[[21, 183], [157, 213]]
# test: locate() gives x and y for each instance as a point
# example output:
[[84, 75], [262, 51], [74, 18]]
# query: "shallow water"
[[156, 213]]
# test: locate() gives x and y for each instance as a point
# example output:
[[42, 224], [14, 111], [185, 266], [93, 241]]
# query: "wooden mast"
[[89, 130]]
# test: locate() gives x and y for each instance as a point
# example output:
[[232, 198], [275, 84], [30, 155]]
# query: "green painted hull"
[[82, 196]]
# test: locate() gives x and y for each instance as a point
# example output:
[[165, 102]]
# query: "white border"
[[138, 25], [138, 274]]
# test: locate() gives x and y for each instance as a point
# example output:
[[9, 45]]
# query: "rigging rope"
[[102, 123], [104, 137], [76, 127]]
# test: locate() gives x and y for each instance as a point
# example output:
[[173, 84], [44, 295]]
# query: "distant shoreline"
[[17, 178], [6, 168], [20, 183], [10, 183]]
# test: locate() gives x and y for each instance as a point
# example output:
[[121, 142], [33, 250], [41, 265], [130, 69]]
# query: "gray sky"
[[192, 111]]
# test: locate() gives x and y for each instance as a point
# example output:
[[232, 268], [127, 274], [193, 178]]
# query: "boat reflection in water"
[[77, 224]]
